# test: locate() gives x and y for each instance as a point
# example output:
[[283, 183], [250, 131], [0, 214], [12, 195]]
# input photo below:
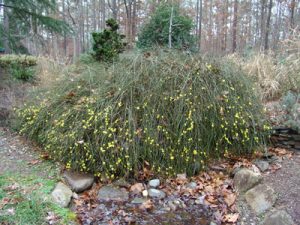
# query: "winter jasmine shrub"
[[168, 110]]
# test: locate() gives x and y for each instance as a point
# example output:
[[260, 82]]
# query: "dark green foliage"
[[156, 31], [21, 72], [21, 67], [25, 17], [108, 43]]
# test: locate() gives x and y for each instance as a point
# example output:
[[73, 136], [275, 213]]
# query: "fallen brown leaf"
[[230, 199], [231, 218]]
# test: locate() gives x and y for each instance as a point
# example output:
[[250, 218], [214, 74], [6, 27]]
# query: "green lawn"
[[27, 200]]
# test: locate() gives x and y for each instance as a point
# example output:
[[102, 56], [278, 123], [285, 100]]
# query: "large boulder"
[[112, 193], [78, 182], [62, 195], [279, 217], [261, 198], [245, 179]]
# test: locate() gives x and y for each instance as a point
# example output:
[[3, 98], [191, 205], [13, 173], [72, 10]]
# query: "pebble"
[[154, 193], [145, 193], [154, 183]]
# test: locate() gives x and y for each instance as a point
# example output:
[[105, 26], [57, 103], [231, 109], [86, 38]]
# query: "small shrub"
[[25, 60], [290, 105], [21, 67], [21, 72], [108, 44], [168, 111], [156, 31]]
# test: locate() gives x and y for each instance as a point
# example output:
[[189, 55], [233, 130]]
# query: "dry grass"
[[262, 68], [274, 74]]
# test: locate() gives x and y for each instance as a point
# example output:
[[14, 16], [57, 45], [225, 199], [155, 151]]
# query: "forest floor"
[[27, 179]]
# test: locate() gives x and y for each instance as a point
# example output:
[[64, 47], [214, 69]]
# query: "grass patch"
[[167, 111], [26, 200]]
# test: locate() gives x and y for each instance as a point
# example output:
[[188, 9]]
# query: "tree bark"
[[292, 9], [6, 28], [268, 26], [170, 28], [234, 25]]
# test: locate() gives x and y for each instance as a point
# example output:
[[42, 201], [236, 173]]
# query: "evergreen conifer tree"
[[108, 43]]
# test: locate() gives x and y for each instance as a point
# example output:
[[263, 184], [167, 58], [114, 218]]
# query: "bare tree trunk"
[[103, 14], [170, 27], [210, 31], [6, 28], [65, 35], [268, 26], [114, 8], [199, 22], [262, 22], [292, 11], [234, 25], [224, 27], [94, 16]]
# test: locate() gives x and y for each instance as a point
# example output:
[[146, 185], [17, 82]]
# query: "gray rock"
[[235, 170], [172, 206], [245, 179], [261, 198], [261, 164], [62, 195], [138, 200], [279, 217], [154, 183], [122, 183], [78, 182], [154, 193], [191, 185], [275, 159], [111, 193]]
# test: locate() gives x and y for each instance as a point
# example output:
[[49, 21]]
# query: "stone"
[[137, 188], [261, 198], [275, 159], [245, 179], [191, 185], [154, 183], [78, 182], [112, 193], [200, 200], [145, 193], [172, 206], [138, 200], [122, 183], [181, 176], [279, 217], [262, 165], [235, 170], [154, 193], [62, 195]]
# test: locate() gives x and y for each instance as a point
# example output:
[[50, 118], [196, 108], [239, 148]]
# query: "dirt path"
[[286, 183], [22, 170], [26, 182]]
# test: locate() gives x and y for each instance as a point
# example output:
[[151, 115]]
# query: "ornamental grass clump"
[[168, 111]]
